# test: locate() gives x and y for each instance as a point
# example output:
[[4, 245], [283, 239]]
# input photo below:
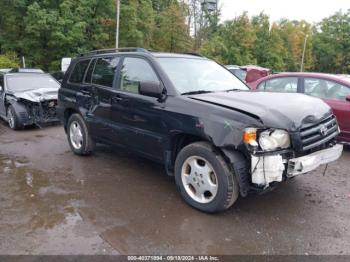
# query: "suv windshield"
[[27, 81], [199, 75]]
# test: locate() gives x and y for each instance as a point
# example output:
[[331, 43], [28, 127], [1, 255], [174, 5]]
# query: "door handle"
[[117, 99]]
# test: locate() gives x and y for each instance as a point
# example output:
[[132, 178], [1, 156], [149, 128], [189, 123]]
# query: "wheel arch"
[[240, 166], [176, 144], [234, 158], [19, 109], [66, 115]]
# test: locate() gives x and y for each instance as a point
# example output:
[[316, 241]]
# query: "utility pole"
[[117, 3], [303, 56]]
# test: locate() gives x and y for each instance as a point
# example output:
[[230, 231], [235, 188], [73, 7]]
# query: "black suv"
[[215, 136]]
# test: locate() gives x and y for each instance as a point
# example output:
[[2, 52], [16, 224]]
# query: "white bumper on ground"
[[267, 169]]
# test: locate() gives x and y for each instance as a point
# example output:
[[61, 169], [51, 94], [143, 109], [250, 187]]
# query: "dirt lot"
[[53, 202]]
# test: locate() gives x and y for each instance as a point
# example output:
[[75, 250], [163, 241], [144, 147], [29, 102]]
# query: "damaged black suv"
[[28, 98], [215, 136]]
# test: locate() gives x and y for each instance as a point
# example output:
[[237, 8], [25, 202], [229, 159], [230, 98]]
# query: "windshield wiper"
[[197, 92]]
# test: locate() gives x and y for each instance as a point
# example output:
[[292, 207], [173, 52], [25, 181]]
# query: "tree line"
[[44, 31]]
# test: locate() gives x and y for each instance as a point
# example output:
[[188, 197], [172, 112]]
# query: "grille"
[[49, 109], [318, 134]]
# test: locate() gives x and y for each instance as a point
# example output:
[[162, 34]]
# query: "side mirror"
[[152, 89], [348, 98]]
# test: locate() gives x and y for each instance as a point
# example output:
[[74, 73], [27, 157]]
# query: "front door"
[[139, 117]]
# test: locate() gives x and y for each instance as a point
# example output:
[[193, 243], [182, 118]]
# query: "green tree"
[[44, 31], [215, 49], [277, 51], [262, 49], [237, 39], [9, 60], [137, 23], [172, 30], [47, 30], [332, 44], [293, 34], [12, 27]]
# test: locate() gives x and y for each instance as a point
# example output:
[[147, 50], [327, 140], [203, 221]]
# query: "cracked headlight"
[[267, 140], [274, 139]]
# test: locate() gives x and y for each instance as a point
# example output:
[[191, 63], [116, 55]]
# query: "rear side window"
[[325, 89], [79, 72], [282, 84], [104, 71]]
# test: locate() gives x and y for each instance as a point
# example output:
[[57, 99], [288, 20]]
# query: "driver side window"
[[135, 71]]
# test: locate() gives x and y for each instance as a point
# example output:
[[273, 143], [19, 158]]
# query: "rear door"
[[76, 91], [101, 80], [334, 94]]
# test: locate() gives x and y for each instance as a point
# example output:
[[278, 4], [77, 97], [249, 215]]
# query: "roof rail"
[[192, 53], [116, 50]]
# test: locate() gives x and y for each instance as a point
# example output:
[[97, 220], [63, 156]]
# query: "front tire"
[[12, 118], [205, 180], [78, 136]]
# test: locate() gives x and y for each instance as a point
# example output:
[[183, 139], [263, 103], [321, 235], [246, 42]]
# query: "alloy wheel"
[[10, 118], [76, 135], [199, 179]]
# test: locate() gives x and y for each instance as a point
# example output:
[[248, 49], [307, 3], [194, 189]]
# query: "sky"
[[310, 10]]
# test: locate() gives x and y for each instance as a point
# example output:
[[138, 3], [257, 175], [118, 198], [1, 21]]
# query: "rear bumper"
[[305, 164]]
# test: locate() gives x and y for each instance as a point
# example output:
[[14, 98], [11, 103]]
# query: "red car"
[[333, 89], [249, 73]]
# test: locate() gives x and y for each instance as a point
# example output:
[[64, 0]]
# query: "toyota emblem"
[[324, 130]]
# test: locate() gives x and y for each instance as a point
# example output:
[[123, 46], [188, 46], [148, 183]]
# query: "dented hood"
[[38, 95], [275, 110]]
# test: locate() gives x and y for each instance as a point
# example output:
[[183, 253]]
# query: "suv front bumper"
[[272, 168], [302, 165]]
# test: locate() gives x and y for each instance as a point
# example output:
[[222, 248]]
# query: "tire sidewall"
[[77, 118], [15, 120], [220, 169]]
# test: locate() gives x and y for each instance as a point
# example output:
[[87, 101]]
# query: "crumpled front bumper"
[[302, 165], [272, 168]]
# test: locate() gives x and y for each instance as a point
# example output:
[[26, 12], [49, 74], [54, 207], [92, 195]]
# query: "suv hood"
[[37, 95], [276, 110]]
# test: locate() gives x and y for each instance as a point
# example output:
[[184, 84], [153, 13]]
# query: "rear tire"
[[205, 180], [12, 118], [78, 136]]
